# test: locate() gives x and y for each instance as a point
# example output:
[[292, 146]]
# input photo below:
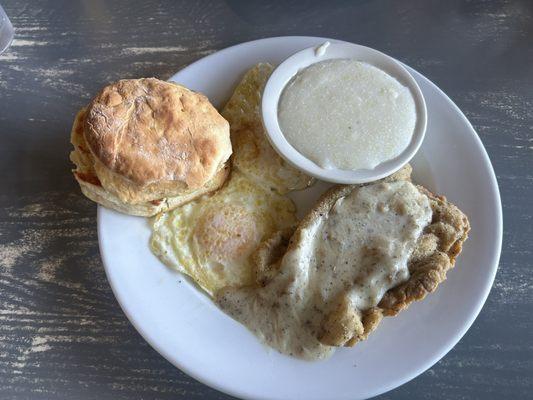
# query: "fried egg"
[[252, 153], [211, 239]]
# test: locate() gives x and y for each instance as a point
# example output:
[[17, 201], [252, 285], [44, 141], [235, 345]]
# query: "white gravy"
[[360, 247], [346, 114]]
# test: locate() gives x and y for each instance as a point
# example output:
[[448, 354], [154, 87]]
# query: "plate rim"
[[452, 341]]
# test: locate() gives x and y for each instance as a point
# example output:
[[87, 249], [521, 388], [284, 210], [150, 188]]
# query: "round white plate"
[[182, 324]]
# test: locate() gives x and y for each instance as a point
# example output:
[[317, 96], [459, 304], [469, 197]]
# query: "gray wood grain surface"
[[62, 333]]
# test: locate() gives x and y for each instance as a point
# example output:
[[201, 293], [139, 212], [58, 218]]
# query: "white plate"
[[182, 324]]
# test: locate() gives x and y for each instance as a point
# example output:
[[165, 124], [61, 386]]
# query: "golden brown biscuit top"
[[149, 130]]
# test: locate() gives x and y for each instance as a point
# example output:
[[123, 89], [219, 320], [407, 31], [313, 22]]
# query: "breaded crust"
[[153, 139], [434, 254]]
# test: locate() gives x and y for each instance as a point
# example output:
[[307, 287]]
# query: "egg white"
[[212, 239]]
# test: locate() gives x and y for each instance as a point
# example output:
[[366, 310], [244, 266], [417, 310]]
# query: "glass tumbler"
[[6, 30]]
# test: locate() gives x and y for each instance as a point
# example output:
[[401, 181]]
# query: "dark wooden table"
[[62, 333]]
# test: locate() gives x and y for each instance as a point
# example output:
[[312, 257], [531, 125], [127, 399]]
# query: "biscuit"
[[143, 146], [157, 197]]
